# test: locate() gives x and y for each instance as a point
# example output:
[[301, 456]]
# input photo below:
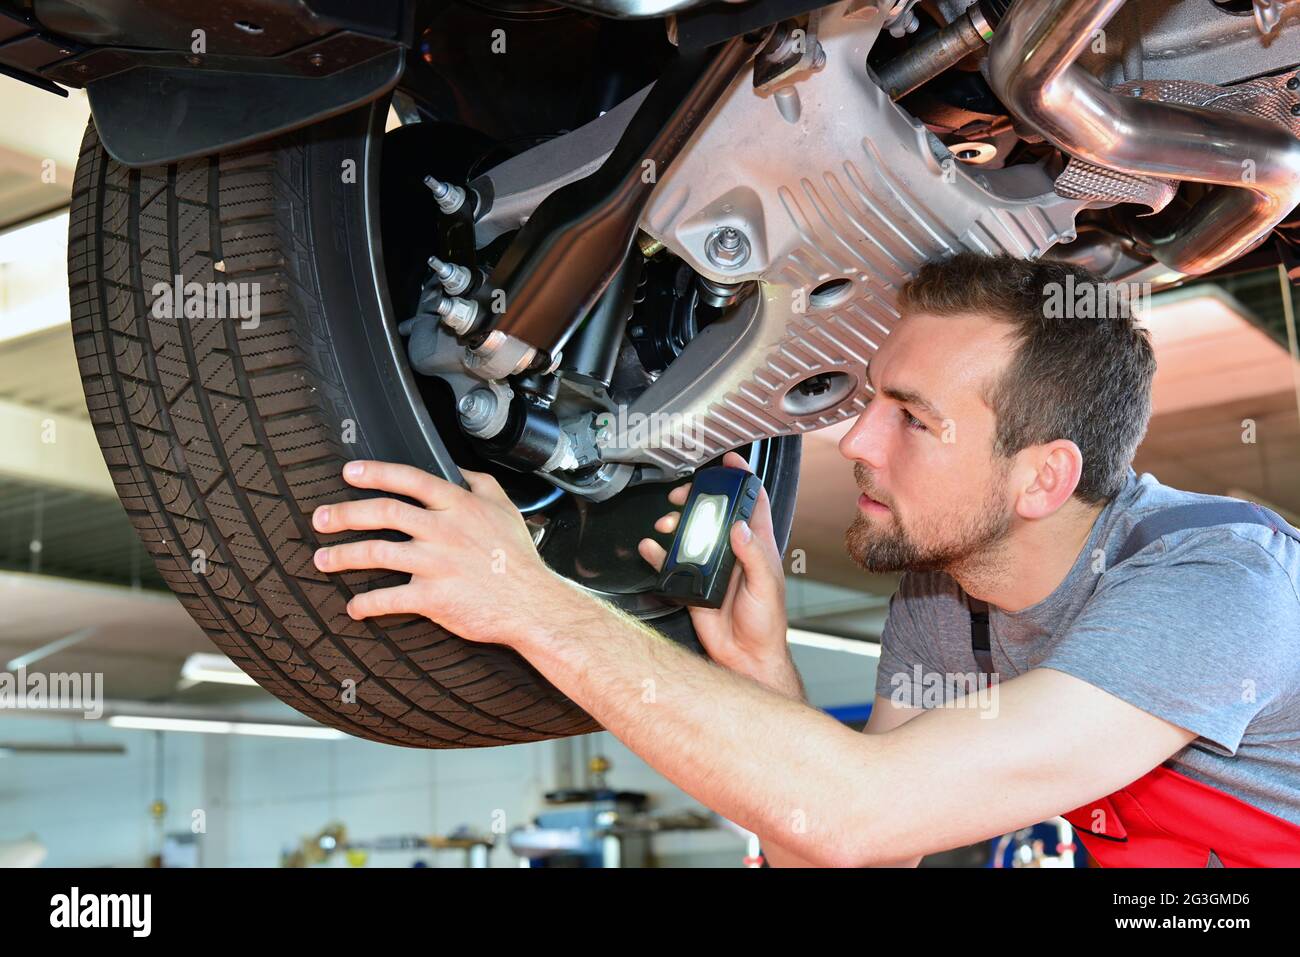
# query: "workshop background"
[[78, 594]]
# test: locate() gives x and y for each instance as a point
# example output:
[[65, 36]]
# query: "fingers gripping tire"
[[222, 435]]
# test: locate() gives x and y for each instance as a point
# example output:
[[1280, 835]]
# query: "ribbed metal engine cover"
[[840, 207]]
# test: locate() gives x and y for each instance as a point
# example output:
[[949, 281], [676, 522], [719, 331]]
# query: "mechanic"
[[1153, 700]]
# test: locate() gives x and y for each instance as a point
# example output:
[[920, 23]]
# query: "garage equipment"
[[332, 839], [597, 826]]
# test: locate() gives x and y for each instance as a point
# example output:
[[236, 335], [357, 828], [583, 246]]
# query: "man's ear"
[[1050, 473]]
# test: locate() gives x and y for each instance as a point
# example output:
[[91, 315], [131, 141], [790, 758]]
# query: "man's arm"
[[1042, 744], [885, 716]]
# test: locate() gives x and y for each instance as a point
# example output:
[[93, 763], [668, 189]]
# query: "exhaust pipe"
[[1033, 69]]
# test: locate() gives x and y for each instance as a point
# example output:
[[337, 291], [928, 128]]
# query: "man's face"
[[934, 493]]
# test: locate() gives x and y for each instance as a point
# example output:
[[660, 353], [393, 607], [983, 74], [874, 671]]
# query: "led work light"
[[697, 568]]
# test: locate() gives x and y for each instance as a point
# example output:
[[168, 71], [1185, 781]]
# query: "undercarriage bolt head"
[[455, 279], [727, 248], [449, 198], [457, 314], [476, 408]]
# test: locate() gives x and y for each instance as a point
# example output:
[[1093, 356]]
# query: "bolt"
[[1292, 82], [316, 60], [649, 246], [476, 408], [458, 314], [449, 198], [727, 248], [1295, 109], [455, 279]]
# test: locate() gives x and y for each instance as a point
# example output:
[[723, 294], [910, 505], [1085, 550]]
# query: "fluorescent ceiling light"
[[206, 726], [287, 731], [214, 668], [39, 240], [33, 276], [815, 639], [31, 657]]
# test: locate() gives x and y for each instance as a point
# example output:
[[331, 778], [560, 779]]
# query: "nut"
[[727, 248]]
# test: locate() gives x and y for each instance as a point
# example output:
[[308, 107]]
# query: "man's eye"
[[912, 422]]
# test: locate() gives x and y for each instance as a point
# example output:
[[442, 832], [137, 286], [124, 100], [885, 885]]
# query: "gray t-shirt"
[[1201, 628]]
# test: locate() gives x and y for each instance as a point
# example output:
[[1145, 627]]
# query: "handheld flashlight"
[[697, 568]]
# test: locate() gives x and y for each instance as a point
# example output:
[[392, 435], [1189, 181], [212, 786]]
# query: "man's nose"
[[865, 441]]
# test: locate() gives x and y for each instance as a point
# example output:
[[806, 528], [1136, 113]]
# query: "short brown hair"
[[1086, 379]]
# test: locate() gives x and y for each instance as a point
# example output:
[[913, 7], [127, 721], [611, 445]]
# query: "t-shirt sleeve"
[[1205, 635]]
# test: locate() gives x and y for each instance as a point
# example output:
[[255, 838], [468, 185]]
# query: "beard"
[[938, 543]]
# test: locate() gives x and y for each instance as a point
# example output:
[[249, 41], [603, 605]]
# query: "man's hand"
[[747, 634], [473, 566]]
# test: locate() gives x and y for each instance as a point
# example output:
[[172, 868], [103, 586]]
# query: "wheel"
[[223, 434]]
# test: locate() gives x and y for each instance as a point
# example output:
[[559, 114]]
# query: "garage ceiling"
[[137, 639], [39, 142], [40, 371]]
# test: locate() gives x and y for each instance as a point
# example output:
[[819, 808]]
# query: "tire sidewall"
[[381, 395]]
